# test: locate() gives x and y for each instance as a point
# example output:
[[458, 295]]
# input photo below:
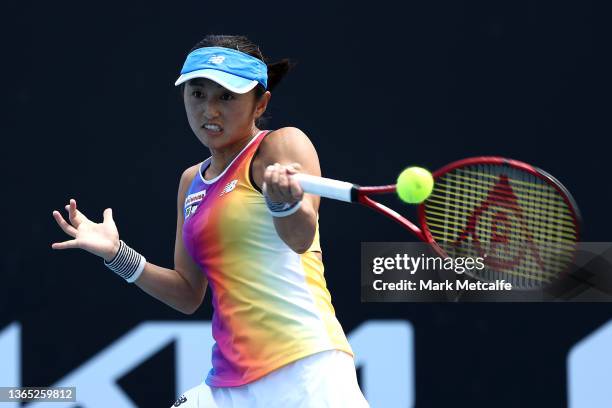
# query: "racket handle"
[[328, 188]]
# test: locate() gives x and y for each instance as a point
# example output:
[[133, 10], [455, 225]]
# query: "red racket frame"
[[423, 233]]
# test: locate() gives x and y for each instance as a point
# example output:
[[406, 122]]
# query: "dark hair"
[[276, 70]]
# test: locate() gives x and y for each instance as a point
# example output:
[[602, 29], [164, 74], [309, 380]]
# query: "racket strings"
[[546, 261], [518, 185], [510, 254], [521, 222], [564, 234], [511, 275], [532, 266], [504, 198]]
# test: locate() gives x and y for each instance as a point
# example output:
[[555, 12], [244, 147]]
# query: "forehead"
[[203, 83]]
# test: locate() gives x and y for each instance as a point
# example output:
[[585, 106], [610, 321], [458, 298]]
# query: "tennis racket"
[[520, 219]]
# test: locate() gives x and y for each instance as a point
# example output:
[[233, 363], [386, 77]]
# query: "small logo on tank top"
[[192, 201], [194, 198], [190, 210], [229, 187]]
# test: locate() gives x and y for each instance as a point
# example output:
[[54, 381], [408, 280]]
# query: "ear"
[[262, 104]]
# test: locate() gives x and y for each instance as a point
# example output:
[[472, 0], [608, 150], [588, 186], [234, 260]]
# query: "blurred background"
[[90, 112]]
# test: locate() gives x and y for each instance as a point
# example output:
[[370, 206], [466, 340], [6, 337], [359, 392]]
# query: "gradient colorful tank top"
[[271, 305]]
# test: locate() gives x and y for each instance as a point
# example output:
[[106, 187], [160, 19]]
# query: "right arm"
[[182, 288]]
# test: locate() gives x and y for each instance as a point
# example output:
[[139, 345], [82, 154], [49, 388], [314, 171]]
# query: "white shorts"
[[322, 380]]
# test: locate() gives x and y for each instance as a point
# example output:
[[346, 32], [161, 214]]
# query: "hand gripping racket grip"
[[328, 188]]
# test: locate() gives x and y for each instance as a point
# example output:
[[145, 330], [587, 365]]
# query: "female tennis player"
[[246, 228]]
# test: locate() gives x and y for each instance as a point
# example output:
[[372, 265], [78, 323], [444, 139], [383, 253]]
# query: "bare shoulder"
[[286, 144], [191, 171], [187, 177], [286, 136]]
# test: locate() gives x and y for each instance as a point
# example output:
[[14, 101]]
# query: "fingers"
[[272, 177], [276, 174], [67, 228], [296, 189], [283, 182], [65, 245], [72, 210], [74, 215], [108, 215], [268, 180], [294, 185], [294, 168], [280, 186]]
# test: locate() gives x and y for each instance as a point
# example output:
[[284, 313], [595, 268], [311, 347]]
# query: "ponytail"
[[277, 70]]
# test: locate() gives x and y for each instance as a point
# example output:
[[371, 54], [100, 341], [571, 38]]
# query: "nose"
[[210, 109]]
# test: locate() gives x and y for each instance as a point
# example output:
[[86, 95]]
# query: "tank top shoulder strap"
[[253, 147], [243, 157], [247, 160]]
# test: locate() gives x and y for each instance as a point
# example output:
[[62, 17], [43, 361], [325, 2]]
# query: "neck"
[[221, 158]]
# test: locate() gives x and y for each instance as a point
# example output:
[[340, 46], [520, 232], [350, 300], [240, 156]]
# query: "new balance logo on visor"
[[230, 186], [216, 59]]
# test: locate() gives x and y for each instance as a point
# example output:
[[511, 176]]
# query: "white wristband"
[[127, 263], [281, 209], [288, 210]]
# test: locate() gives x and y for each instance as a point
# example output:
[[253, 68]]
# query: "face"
[[220, 118]]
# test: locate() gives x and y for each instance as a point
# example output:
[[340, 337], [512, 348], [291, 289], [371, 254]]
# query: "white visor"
[[230, 82]]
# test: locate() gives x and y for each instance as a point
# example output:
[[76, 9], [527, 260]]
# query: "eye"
[[197, 94], [227, 96]]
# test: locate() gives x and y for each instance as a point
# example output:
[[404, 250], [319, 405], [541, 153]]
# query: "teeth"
[[215, 128]]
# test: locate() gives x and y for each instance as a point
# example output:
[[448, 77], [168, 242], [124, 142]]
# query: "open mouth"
[[212, 127]]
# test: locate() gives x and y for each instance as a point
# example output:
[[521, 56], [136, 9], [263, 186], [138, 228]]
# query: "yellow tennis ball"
[[414, 185]]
